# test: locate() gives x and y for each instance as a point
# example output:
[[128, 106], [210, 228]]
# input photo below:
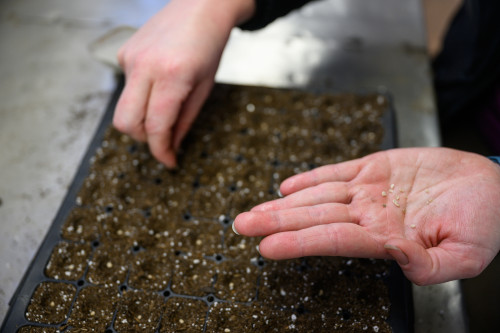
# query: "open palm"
[[435, 211]]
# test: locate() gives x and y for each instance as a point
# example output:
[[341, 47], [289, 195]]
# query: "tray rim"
[[400, 317]]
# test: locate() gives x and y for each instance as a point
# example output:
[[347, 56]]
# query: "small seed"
[[413, 226], [384, 193], [392, 186], [395, 202], [181, 321], [109, 264], [92, 313], [52, 304]]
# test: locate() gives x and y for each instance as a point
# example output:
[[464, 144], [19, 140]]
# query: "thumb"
[[417, 263]]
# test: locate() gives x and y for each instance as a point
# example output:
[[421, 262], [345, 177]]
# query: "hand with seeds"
[[170, 64], [435, 211]]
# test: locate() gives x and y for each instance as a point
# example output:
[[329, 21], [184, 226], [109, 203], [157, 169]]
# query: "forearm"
[[225, 13]]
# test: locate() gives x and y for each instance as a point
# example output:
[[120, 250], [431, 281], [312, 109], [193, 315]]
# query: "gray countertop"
[[53, 93]]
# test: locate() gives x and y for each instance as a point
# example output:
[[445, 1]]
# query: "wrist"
[[229, 12]]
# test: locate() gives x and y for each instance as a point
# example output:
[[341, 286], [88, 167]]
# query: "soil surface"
[[150, 250]]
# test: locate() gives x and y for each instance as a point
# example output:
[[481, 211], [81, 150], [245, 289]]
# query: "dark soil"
[[93, 309], [68, 261], [139, 311], [183, 315], [50, 303], [150, 250]]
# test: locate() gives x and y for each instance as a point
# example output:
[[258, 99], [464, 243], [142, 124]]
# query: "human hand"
[[440, 220], [170, 65]]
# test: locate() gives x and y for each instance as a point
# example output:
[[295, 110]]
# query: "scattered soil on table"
[[145, 249]]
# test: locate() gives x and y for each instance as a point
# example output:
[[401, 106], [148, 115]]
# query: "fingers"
[[164, 120], [162, 115], [338, 239], [266, 223], [433, 265], [190, 110], [323, 193], [342, 172], [131, 108]]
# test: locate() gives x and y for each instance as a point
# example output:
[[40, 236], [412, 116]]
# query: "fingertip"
[[171, 162], [242, 221], [263, 249], [285, 187], [238, 219], [288, 186], [167, 158], [234, 228], [278, 247], [118, 119]]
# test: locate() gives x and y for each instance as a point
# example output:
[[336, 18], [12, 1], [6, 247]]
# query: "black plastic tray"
[[401, 313]]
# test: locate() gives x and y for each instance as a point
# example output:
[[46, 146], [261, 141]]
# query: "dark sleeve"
[[468, 66], [267, 11], [495, 159]]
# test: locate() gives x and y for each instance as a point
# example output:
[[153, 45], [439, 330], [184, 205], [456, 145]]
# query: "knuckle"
[[277, 219], [175, 67], [316, 214], [151, 126]]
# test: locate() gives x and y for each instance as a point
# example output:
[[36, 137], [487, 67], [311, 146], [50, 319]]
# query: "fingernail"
[[234, 229], [397, 254], [280, 194], [258, 249]]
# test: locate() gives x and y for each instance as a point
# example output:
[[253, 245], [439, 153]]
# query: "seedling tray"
[[135, 247]]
